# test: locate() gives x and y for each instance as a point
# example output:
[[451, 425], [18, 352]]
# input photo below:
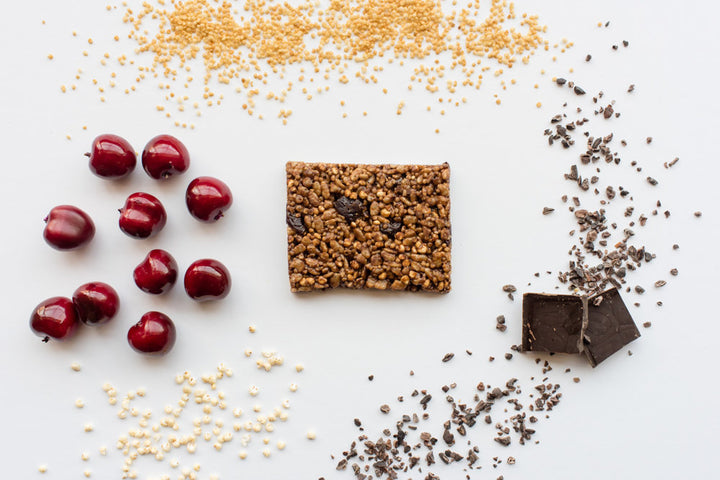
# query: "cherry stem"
[[46, 339]]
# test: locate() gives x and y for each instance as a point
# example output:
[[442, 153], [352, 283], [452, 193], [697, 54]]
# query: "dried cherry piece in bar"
[[295, 223], [391, 228], [610, 326], [553, 323], [350, 209]]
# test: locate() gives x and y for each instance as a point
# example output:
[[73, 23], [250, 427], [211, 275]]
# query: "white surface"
[[651, 415]]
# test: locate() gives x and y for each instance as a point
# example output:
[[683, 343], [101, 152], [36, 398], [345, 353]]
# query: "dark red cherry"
[[165, 156], [207, 279], [55, 318], [111, 157], [142, 216], [96, 303], [68, 227], [157, 272], [154, 334], [207, 198]]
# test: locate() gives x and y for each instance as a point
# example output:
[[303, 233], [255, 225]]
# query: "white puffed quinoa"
[[242, 454], [248, 352], [281, 445], [207, 436], [252, 328], [87, 473], [245, 440], [253, 390], [213, 476], [85, 456], [179, 379], [266, 452], [103, 450], [141, 392], [283, 416], [174, 463], [43, 468], [185, 471], [311, 435], [270, 427], [237, 412], [79, 403], [196, 467], [218, 446], [257, 408], [191, 448], [286, 403], [299, 368], [266, 441], [75, 366], [261, 419], [293, 387], [257, 428], [88, 427], [107, 387], [227, 436]]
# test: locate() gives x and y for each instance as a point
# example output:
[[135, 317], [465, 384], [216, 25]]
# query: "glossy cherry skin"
[[142, 216], [157, 273], [154, 334], [96, 303], [165, 156], [55, 318], [111, 157], [207, 279], [207, 198], [68, 228]]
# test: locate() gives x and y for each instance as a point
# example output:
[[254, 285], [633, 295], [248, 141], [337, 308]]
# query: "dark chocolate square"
[[553, 323], [610, 326]]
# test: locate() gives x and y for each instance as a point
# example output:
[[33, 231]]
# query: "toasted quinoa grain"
[[345, 41]]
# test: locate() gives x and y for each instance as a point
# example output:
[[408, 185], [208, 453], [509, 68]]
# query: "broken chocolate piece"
[[610, 326], [553, 323]]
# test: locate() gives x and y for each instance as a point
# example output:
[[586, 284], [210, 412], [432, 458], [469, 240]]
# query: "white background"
[[652, 415]]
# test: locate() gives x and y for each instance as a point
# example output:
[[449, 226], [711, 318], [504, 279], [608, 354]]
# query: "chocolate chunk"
[[610, 326], [348, 208], [295, 223], [553, 323]]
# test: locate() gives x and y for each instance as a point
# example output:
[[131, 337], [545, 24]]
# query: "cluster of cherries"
[[143, 216]]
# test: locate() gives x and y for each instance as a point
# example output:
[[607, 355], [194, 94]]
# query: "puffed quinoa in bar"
[[384, 227]]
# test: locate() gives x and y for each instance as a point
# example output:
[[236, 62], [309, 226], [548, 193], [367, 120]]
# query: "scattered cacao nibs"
[[625, 43], [547, 210], [652, 181], [448, 357], [508, 356], [509, 288], [674, 272], [588, 57], [648, 140], [576, 379], [578, 90], [660, 283], [371, 377], [647, 324], [698, 214], [385, 408]]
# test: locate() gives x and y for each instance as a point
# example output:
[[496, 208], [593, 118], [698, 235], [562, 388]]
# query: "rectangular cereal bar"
[[384, 227]]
